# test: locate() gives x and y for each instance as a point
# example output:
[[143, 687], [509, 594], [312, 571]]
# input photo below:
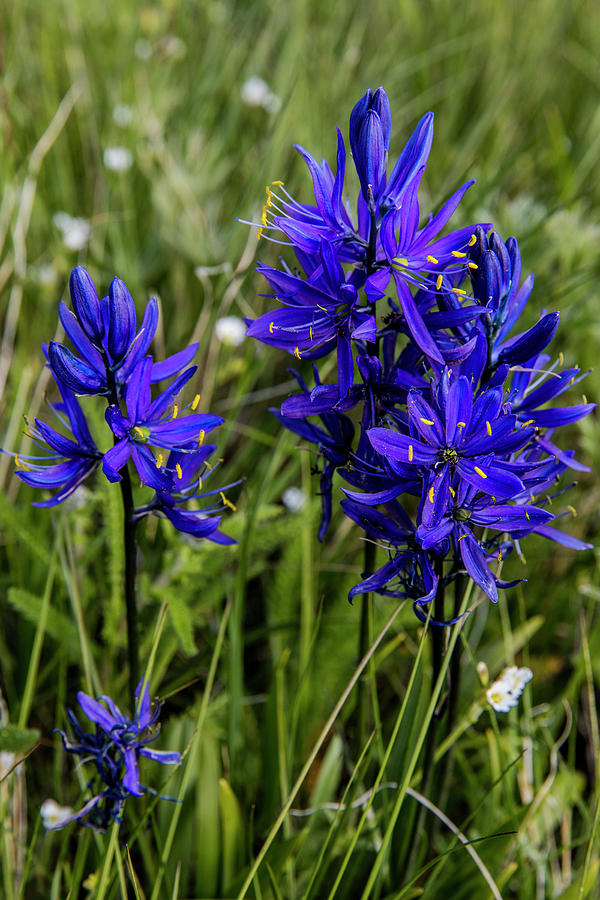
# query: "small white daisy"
[[53, 815], [294, 499], [230, 330], [117, 159]]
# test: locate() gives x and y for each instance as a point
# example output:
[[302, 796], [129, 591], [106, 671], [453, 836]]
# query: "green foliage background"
[[515, 89]]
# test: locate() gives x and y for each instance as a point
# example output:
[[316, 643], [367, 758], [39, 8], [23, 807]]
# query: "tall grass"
[[258, 648]]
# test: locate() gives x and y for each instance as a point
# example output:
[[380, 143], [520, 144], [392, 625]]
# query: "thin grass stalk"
[[364, 640], [313, 755], [381, 855]]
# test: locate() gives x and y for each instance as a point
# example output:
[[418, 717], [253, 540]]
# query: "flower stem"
[[130, 572]]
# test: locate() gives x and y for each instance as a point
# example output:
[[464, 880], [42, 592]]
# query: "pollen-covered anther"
[[583, 398], [310, 333], [410, 453], [175, 410], [438, 282], [561, 358], [201, 437], [297, 352], [573, 511], [458, 254], [271, 326], [480, 472], [432, 259], [462, 424], [488, 428], [426, 421], [459, 291], [472, 240], [431, 492], [472, 265], [159, 461], [527, 516], [179, 471], [227, 502], [195, 402]]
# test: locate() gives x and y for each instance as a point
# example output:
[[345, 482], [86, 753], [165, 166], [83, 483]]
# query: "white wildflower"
[[75, 232], [117, 159], [294, 499], [122, 114], [256, 92], [505, 692], [230, 330], [53, 815], [142, 49]]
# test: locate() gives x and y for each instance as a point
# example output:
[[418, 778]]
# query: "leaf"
[[58, 626], [181, 619], [232, 833], [17, 740]]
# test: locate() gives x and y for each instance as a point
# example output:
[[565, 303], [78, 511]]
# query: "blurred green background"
[[158, 126]]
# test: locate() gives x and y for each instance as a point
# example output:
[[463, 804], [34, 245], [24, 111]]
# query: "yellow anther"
[[460, 291], [271, 325], [263, 218], [259, 234], [531, 497], [175, 410], [438, 282], [297, 352], [201, 438], [472, 240], [573, 511], [527, 516], [488, 428], [480, 472], [472, 265], [459, 254], [528, 422], [561, 358], [310, 332], [227, 502], [461, 538], [462, 424], [195, 402], [499, 557], [432, 259], [178, 470], [17, 460], [278, 183], [431, 494], [584, 398], [159, 461], [139, 431], [321, 307], [493, 499], [199, 484], [452, 491], [410, 453], [426, 421], [572, 381]]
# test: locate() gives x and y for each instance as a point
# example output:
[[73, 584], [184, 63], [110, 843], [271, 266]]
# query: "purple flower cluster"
[[115, 747], [454, 458], [111, 359]]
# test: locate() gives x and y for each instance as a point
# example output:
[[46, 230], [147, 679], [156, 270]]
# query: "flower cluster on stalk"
[[450, 459], [115, 747], [165, 442]]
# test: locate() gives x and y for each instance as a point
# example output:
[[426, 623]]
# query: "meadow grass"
[[257, 655]]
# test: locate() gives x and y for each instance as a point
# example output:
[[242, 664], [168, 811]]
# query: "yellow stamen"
[[527, 516], [488, 428], [310, 332], [259, 234], [175, 410], [227, 502], [201, 438], [18, 462], [461, 538], [426, 421], [460, 291], [528, 422], [462, 424], [410, 453], [493, 499], [431, 494], [573, 511], [178, 470], [452, 491], [499, 557], [432, 259], [195, 402], [321, 307], [459, 254], [584, 398], [297, 352], [271, 325], [472, 265], [159, 461], [438, 282], [472, 240], [139, 431], [480, 472], [561, 358], [278, 183]]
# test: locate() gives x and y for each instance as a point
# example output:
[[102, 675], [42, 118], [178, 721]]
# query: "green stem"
[[364, 641]]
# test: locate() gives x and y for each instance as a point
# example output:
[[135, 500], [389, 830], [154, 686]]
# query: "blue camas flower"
[[115, 746], [152, 423], [67, 461], [103, 332]]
